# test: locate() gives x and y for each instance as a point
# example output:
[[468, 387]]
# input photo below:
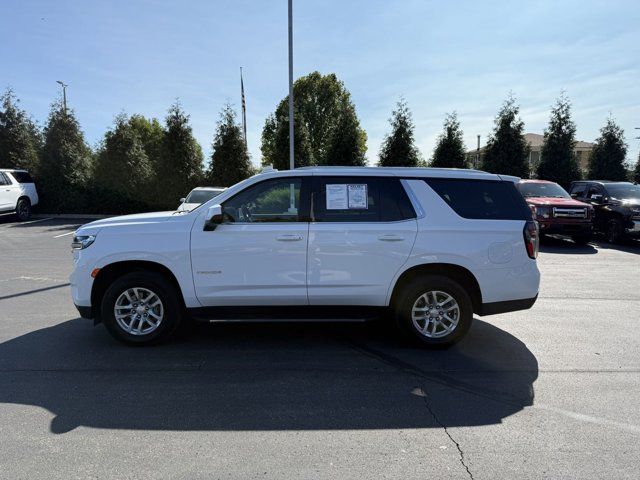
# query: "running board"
[[299, 313]]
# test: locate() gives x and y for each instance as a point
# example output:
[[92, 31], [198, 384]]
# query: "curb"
[[70, 216]]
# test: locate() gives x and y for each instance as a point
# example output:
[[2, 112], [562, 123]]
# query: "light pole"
[[64, 95], [291, 119]]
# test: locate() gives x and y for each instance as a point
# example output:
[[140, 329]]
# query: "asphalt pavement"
[[551, 392]]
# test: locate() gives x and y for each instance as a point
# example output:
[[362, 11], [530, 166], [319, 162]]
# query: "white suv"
[[17, 193], [430, 246]]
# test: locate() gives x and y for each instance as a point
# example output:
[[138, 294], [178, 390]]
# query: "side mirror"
[[574, 195], [182, 200], [213, 218]]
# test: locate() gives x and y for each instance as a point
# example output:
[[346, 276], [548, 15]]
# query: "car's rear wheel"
[[23, 209], [434, 310], [141, 308]]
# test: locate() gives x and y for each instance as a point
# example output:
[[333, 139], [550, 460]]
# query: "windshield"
[[202, 196], [542, 190], [624, 191]]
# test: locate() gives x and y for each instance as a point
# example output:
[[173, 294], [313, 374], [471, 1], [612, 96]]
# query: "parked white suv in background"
[[197, 197], [17, 193], [430, 246]]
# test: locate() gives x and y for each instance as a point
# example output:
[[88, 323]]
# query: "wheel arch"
[[110, 272], [460, 274], [24, 196]]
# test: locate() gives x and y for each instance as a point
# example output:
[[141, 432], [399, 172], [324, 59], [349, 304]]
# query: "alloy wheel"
[[138, 311], [435, 314]]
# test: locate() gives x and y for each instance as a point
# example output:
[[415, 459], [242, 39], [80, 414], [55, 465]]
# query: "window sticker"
[[358, 197], [336, 196], [347, 197]]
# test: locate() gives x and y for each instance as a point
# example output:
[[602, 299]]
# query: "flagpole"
[[244, 110], [291, 119]]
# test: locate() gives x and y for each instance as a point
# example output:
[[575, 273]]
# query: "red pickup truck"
[[555, 210]]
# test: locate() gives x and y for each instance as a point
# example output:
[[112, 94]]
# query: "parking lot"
[[551, 392]]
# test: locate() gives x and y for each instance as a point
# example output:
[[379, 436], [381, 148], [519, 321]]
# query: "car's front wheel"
[[434, 310], [141, 308], [23, 209]]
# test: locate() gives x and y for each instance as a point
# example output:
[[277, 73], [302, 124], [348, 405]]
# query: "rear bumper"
[[495, 308]]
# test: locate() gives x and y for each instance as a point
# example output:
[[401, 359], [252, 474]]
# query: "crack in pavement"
[[422, 393]]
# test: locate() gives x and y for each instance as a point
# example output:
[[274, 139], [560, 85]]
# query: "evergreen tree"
[[179, 167], [507, 151], [348, 145], [123, 165], [607, 160], [636, 171], [558, 161], [230, 161], [20, 139], [398, 148], [450, 151], [321, 105], [66, 163]]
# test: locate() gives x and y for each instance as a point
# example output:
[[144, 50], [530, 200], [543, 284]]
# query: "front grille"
[[564, 212]]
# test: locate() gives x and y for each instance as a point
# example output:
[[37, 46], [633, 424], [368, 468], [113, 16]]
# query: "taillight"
[[531, 238]]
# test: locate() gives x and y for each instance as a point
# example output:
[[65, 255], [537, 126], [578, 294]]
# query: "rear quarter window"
[[482, 199], [22, 177]]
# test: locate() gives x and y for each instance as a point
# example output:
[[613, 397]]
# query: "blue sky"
[[137, 56]]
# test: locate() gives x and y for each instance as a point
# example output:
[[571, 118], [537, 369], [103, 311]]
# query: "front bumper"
[[557, 228], [85, 312], [633, 229]]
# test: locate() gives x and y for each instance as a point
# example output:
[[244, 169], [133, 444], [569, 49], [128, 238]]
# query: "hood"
[[555, 202], [138, 218]]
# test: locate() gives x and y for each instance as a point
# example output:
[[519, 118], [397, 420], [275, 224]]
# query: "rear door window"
[[481, 199], [22, 177], [360, 199], [4, 180]]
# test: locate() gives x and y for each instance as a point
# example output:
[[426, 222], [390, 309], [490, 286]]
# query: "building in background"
[[535, 140]]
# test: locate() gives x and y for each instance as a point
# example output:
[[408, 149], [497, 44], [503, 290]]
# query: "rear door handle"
[[289, 238], [390, 238]]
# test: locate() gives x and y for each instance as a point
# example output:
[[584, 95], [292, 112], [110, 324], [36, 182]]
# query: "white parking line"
[[64, 234], [35, 221]]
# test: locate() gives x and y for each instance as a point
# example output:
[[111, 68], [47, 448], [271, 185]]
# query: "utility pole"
[[64, 95], [477, 154], [291, 119]]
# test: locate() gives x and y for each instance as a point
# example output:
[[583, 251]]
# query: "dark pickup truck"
[[616, 204]]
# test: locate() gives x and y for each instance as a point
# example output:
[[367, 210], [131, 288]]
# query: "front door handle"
[[390, 238], [289, 238]]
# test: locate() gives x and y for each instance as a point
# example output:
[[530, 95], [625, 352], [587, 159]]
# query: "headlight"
[[82, 241], [543, 212]]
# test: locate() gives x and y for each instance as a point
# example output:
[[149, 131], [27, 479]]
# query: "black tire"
[[582, 239], [412, 292], [23, 209], [155, 283], [614, 232]]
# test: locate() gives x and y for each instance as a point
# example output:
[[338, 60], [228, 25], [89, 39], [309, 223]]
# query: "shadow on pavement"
[[267, 377], [551, 244]]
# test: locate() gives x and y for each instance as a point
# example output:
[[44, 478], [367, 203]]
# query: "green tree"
[[66, 163], [124, 168], [450, 151], [558, 161], [607, 160], [348, 145], [179, 166], [230, 161], [20, 139], [321, 105], [507, 151], [398, 148], [636, 171]]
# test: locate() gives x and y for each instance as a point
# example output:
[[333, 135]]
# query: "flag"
[[244, 109]]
